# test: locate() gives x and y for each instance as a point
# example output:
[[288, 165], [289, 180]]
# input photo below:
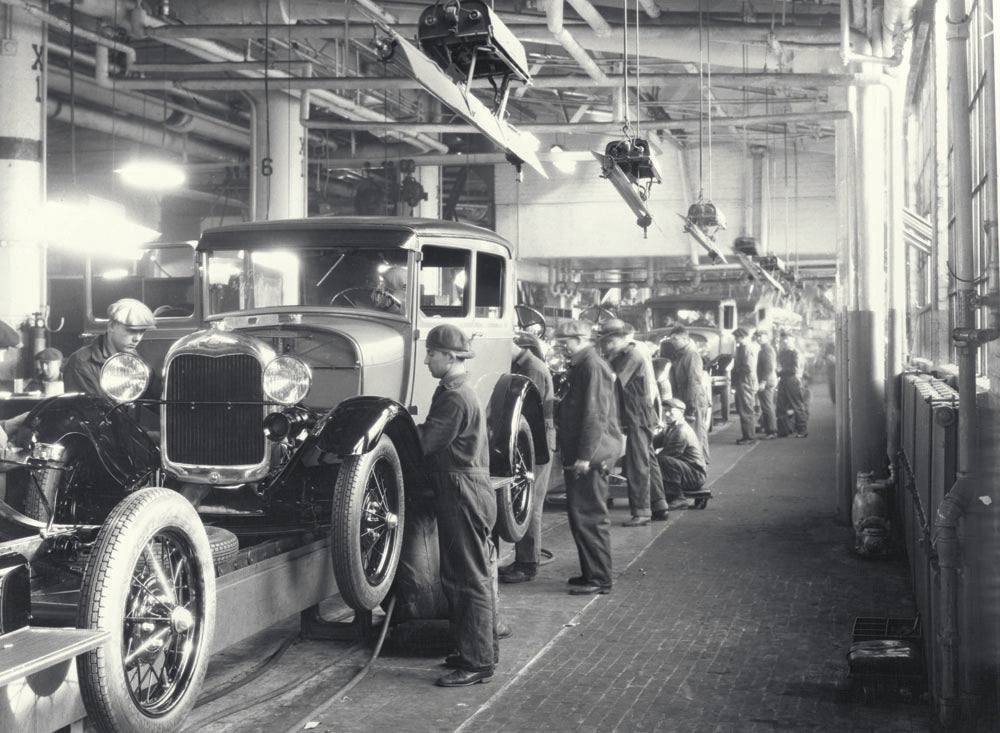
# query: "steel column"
[[280, 167], [22, 265]]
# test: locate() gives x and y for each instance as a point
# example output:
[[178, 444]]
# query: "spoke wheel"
[[367, 527], [514, 501], [151, 583]]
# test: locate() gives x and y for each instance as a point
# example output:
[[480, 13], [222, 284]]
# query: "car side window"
[[444, 281], [489, 286]]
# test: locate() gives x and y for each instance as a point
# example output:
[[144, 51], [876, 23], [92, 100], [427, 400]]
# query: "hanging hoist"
[[703, 220], [628, 163]]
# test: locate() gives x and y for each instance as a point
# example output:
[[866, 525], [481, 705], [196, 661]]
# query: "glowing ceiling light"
[[561, 161], [153, 175]]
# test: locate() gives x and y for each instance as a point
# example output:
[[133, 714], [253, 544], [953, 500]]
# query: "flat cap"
[[574, 329], [530, 342], [614, 327], [9, 338], [447, 337], [740, 333], [674, 404], [132, 313], [49, 354]]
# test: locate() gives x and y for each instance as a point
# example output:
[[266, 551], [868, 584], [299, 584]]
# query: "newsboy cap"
[[447, 337], [530, 342], [574, 329], [132, 313], [675, 404], [49, 354], [614, 327], [740, 333], [9, 338]]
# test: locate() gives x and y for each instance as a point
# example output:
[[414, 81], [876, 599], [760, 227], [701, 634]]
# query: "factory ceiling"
[[181, 77]]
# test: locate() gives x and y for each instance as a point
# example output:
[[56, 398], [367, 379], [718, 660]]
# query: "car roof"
[[363, 231]]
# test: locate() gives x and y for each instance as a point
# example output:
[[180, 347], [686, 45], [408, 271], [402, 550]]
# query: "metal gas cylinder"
[[870, 515]]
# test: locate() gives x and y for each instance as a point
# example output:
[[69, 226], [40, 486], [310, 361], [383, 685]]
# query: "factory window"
[[444, 282], [162, 277]]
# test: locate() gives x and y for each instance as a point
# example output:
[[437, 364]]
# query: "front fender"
[[355, 425], [124, 449], [513, 396]]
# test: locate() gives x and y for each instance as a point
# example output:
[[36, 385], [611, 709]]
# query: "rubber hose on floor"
[[318, 711]]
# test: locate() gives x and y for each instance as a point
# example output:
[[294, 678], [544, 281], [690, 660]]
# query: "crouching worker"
[[681, 461], [457, 457]]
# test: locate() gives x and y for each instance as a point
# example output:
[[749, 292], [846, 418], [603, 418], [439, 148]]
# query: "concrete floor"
[[735, 618]]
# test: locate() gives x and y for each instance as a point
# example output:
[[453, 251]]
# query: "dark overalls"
[[82, 372], [681, 461], [638, 416], [527, 552], [744, 379], [793, 413], [589, 430], [686, 381], [457, 457]]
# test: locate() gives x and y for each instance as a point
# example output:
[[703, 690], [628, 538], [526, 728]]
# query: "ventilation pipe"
[[154, 136], [81, 33], [554, 14], [960, 499], [213, 51]]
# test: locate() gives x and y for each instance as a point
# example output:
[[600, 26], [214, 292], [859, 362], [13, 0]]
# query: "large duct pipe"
[[151, 135], [554, 13], [81, 33], [148, 109], [213, 51]]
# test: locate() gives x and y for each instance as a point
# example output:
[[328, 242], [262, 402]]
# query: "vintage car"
[[284, 460], [710, 323]]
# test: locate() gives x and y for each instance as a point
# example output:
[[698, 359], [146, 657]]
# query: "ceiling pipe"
[[150, 109], [151, 135], [80, 33], [850, 56], [592, 16], [606, 127], [554, 13], [651, 8], [142, 22]]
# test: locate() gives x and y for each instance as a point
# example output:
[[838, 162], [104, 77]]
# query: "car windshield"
[[359, 278]]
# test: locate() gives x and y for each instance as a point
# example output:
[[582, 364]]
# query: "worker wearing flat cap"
[[128, 321], [48, 373], [456, 455], [640, 397], [744, 380], [681, 461], [590, 441]]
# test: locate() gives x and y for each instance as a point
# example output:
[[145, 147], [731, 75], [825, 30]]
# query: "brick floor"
[[736, 618]]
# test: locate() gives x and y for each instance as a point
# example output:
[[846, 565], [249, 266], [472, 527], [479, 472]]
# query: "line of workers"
[[615, 407]]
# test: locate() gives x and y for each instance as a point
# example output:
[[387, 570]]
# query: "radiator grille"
[[214, 434]]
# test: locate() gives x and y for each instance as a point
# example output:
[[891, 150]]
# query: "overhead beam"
[[762, 79]]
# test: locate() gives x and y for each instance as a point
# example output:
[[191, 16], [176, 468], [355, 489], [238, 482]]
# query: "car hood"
[[321, 338]]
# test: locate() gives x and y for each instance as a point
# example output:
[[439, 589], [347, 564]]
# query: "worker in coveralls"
[[639, 415], [527, 553], [456, 454], [590, 441], [792, 407], [744, 379]]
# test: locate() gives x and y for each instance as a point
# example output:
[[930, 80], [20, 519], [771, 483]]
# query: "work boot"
[[636, 522], [521, 574], [679, 503], [661, 515]]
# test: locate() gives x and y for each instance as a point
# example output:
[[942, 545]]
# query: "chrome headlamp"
[[124, 377], [287, 380]]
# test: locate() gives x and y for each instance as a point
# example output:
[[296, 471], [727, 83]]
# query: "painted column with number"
[[281, 156], [21, 255]]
